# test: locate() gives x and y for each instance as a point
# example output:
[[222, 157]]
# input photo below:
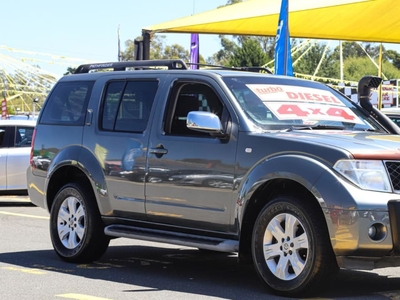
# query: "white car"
[[15, 148]]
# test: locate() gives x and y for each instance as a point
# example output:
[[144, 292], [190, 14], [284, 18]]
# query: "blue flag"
[[283, 56], [194, 50]]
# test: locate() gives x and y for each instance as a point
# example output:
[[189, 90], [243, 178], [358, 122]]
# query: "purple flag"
[[194, 50]]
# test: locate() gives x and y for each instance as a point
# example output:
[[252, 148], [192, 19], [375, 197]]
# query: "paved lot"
[[133, 269]]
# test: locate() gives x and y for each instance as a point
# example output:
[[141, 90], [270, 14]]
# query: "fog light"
[[377, 232], [372, 231]]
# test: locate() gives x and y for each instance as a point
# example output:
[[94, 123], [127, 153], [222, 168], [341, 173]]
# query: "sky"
[[42, 31], [88, 30]]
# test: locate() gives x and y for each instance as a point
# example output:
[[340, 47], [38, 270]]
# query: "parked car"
[[15, 149], [22, 117], [310, 179], [393, 114]]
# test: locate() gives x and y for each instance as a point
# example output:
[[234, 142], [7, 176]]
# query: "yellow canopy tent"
[[344, 20], [352, 20]]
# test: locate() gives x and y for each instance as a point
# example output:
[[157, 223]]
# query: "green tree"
[[70, 70], [129, 53], [157, 46], [349, 49], [176, 51], [394, 58], [223, 56], [250, 54], [158, 50], [316, 60], [357, 67]]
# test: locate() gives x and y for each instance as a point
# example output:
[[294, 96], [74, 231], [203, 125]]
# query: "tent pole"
[[341, 61], [380, 75]]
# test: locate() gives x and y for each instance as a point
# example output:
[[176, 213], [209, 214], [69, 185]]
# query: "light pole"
[[35, 100]]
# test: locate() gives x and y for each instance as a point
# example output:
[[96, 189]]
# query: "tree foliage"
[[394, 58], [250, 54], [357, 67], [316, 60]]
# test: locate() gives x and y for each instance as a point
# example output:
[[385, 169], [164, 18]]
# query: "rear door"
[[3, 158], [15, 143], [18, 157], [119, 140]]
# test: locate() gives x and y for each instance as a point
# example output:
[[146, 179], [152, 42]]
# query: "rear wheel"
[[76, 229], [291, 247]]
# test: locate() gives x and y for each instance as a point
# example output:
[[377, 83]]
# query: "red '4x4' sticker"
[[292, 110]]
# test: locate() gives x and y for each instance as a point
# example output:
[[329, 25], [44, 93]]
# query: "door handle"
[[159, 151]]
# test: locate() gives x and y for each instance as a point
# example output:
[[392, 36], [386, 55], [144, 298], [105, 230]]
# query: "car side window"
[[23, 136], [190, 97], [67, 104], [2, 136], [127, 105]]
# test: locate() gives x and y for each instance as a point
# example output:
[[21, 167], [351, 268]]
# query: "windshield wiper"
[[315, 127]]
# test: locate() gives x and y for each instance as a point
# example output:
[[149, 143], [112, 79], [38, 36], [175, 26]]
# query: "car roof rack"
[[249, 69], [171, 64]]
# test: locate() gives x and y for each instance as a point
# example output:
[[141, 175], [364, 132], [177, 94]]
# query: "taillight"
[[32, 147]]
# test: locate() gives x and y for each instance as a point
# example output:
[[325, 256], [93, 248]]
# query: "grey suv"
[[288, 173]]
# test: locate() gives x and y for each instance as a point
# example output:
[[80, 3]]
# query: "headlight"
[[367, 174]]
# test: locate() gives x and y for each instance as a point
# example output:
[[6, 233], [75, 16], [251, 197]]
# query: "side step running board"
[[161, 236]]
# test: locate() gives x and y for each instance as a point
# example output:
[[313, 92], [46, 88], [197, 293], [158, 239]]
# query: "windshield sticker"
[[311, 111], [293, 93]]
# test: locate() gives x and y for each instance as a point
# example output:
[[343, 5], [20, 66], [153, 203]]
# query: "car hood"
[[361, 145]]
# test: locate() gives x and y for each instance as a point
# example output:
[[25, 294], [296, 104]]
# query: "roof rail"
[[171, 64], [249, 69]]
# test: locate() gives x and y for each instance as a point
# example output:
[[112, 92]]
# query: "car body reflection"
[[207, 180]]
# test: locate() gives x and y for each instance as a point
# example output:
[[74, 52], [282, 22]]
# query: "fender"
[[81, 158], [65, 157], [305, 170]]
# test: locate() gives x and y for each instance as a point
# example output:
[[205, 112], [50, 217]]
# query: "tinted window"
[[191, 97], [67, 103], [395, 119], [23, 136], [2, 136], [127, 105]]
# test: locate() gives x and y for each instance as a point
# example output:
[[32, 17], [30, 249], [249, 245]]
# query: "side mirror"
[[205, 121]]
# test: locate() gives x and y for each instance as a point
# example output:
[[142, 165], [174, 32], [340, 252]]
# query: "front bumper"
[[353, 246], [394, 216]]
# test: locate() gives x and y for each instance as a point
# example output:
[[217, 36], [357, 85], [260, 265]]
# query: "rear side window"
[[23, 136], [67, 104], [2, 136], [127, 105]]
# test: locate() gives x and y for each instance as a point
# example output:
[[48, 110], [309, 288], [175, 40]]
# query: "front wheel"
[[291, 247], [76, 229]]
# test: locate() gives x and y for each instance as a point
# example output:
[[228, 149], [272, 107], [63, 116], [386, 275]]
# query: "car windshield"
[[285, 104]]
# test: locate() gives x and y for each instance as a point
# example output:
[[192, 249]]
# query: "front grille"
[[393, 168]]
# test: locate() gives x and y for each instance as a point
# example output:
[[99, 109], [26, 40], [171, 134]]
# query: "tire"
[[76, 229], [291, 248]]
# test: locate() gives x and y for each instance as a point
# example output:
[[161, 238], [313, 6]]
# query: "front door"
[[191, 174]]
